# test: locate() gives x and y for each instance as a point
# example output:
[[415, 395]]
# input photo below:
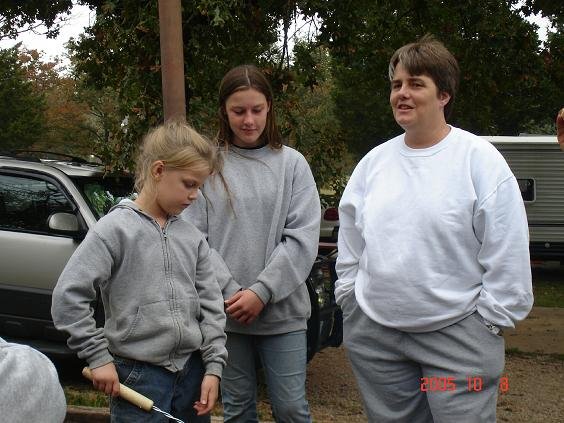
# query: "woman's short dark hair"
[[430, 57], [242, 78]]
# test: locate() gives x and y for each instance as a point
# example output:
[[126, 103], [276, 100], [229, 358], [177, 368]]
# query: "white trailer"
[[538, 165]]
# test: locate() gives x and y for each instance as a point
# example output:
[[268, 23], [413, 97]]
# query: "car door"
[[32, 255]]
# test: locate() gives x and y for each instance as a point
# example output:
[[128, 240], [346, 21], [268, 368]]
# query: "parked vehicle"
[[46, 208], [325, 326], [329, 224], [538, 165]]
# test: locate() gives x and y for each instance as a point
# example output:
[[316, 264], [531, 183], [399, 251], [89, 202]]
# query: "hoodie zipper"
[[168, 276]]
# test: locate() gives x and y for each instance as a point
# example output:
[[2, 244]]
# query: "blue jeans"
[[284, 360], [174, 393]]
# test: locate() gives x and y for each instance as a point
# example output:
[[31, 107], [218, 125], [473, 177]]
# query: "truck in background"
[[538, 165]]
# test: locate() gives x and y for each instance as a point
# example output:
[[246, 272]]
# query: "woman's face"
[[247, 111], [416, 102]]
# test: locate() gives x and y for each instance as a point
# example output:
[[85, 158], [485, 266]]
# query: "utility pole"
[[172, 59]]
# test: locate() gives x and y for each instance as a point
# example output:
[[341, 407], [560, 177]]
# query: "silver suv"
[[47, 206]]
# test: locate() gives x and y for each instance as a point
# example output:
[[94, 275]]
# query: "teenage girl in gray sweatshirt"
[[164, 330], [261, 216]]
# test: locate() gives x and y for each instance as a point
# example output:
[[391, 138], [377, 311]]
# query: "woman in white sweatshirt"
[[433, 256]]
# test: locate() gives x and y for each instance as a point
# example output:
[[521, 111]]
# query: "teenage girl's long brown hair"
[[242, 78]]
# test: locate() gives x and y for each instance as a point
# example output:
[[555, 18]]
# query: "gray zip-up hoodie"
[[161, 298], [264, 233]]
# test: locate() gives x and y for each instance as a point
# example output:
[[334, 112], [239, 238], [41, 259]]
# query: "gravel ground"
[[536, 386], [534, 367], [536, 378]]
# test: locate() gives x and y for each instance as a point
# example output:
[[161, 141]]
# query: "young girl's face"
[[247, 112], [176, 189]]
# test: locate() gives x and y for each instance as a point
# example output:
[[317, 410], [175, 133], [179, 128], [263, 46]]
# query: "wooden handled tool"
[[134, 397], [126, 393]]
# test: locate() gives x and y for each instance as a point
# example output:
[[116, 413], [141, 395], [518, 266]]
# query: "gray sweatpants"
[[445, 376]]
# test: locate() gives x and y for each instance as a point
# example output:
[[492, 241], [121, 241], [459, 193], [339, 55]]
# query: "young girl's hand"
[[244, 306], [105, 379], [208, 395]]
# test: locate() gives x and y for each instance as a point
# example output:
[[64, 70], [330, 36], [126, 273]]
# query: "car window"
[[26, 203], [102, 193]]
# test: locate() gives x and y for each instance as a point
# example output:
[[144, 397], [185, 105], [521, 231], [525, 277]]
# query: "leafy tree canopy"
[[121, 52], [21, 107], [549, 8], [506, 80], [66, 113], [21, 16], [510, 82]]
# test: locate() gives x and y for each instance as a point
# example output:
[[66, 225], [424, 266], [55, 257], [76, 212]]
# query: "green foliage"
[[314, 122], [101, 122], [546, 127], [65, 114], [85, 397], [333, 97], [20, 16], [119, 58], [554, 70], [49, 112], [21, 108], [549, 8], [121, 52], [549, 293], [506, 75]]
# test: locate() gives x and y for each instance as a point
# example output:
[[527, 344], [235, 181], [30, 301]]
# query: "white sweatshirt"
[[428, 236]]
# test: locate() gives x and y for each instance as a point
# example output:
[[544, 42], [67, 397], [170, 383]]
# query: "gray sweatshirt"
[[267, 238], [29, 386], [160, 296]]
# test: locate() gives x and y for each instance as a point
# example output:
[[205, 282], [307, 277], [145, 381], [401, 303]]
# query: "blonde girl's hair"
[[179, 146]]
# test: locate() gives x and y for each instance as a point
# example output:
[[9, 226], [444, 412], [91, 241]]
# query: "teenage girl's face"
[[247, 111], [176, 189]]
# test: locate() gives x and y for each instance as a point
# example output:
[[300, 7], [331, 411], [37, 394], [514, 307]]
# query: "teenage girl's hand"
[[105, 379], [244, 306], [208, 395]]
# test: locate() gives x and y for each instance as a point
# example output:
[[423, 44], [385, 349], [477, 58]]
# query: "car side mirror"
[[65, 223]]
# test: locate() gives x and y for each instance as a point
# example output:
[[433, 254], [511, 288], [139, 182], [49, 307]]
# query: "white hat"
[[29, 386]]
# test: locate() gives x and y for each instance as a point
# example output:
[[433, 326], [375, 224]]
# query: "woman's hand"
[[208, 395], [244, 306], [105, 379]]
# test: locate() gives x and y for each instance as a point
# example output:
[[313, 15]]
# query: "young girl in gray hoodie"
[[164, 329]]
